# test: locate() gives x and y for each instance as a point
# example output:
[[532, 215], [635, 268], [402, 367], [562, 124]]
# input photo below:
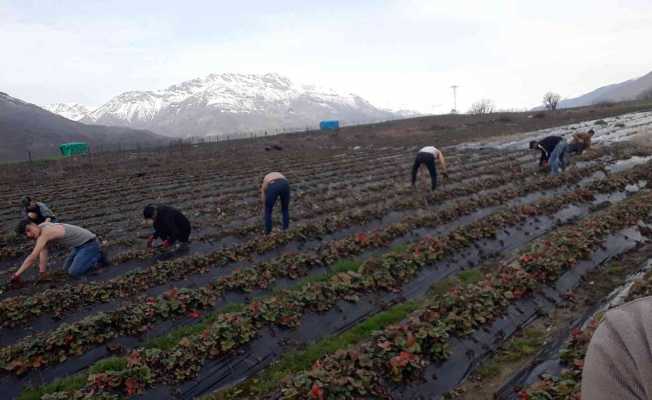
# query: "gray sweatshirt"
[[618, 363]]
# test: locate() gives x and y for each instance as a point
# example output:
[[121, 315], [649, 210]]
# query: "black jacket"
[[546, 146], [171, 224]]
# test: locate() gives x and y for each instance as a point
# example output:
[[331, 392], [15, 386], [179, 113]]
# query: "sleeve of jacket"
[[618, 362]]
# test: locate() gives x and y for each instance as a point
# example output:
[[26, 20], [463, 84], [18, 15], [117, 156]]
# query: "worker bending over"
[[429, 156], [553, 153], [170, 225], [275, 186], [85, 252]]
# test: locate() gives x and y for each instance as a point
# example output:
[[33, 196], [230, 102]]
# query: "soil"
[[495, 371]]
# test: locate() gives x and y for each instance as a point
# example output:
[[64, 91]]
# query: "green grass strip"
[[76, 381], [167, 341], [299, 360]]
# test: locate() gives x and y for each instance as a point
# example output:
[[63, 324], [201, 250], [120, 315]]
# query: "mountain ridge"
[[629, 90], [221, 104]]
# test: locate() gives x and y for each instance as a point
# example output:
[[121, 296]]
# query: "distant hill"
[[26, 127], [223, 104], [633, 89]]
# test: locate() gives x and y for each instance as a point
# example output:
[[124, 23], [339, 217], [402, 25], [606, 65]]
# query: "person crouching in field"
[[36, 211], [429, 155], [553, 153], [85, 253], [275, 185], [170, 225], [580, 142]]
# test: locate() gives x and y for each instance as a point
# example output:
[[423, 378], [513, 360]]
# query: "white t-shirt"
[[430, 149]]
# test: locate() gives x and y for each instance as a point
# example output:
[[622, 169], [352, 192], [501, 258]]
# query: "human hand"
[[15, 281]]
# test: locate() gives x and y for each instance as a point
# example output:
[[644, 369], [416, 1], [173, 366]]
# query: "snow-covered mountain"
[[72, 111], [222, 104]]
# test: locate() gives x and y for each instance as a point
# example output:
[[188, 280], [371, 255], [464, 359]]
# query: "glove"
[[15, 281], [167, 243], [150, 241]]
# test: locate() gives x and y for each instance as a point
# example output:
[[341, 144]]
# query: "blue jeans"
[[558, 157], [278, 188], [83, 258]]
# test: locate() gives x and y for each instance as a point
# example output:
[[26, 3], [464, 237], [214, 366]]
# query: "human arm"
[[442, 161], [43, 260], [263, 192], [544, 155], [40, 246]]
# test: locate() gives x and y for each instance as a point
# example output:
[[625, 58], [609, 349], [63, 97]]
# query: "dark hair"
[[533, 144], [26, 201], [591, 131], [22, 226], [149, 211]]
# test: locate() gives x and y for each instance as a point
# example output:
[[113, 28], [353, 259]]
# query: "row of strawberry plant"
[[390, 172], [567, 384], [397, 202], [399, 351], [301, 171], [133, 319], [70, 297]]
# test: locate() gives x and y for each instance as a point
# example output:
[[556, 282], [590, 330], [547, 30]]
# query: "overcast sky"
[[396, 54]]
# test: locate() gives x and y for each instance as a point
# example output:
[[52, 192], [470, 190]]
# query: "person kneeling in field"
[[553, 153], [429, 155], [36, 211], [275, 185], [170, 225], [85, 248]]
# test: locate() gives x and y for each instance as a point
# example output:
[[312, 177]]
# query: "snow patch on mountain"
[[227, 103], [72, 111]]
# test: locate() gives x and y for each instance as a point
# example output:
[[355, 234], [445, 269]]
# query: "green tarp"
[[73, 149]]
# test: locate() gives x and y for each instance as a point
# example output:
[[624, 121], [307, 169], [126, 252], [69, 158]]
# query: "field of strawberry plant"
[[377, 290]]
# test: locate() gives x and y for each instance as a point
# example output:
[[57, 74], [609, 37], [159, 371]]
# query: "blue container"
[[331, 125]]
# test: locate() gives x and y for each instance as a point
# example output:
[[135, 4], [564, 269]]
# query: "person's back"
[[549, 143], [272, 176], [618, 363], [170, 224], [45, 210], [430, 150], [73, 236]]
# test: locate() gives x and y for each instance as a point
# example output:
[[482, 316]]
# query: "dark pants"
[[84, 258], [429, 160], [275, 189]]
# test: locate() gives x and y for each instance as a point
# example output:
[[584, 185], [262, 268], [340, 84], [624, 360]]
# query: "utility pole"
[[454, 87]]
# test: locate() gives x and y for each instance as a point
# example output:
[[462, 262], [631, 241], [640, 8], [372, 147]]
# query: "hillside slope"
[[26, 127], [629, 90]]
